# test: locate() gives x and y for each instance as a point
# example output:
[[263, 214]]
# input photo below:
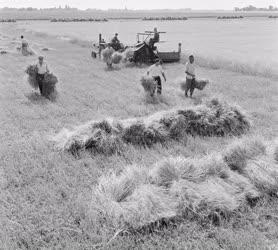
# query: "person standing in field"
[[24, 46], [190, 76], [155, 71], [42, 71]]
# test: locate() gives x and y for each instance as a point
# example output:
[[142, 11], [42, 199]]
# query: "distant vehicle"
[[145, 50]]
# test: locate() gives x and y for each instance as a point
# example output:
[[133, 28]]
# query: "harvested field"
[[46, 194]]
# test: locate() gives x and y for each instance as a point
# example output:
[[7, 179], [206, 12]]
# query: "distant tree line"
[[164, 18], [253, 8], [66, 20], [67, 7], [7, 20]]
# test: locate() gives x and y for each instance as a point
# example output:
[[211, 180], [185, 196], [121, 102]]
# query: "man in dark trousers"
[[190, 76], [42, 71], [156, 71], [24, 46], [115, 42]]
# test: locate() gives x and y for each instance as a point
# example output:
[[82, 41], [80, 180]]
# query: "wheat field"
[[46, 193]]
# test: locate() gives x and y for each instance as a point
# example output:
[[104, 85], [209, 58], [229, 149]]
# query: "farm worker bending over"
[[190, 76], [42, 70], [156, 71]]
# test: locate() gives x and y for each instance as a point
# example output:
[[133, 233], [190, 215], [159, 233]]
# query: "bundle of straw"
[[32, 71], [148, 84], [116, 57], [107, 54], [49, 85], [182, 82], [128, 55], [200, 84]]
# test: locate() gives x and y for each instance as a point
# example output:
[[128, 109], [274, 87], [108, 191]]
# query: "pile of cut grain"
[[128, 55], [49, 85], [107, 56], [110, 56], [213, 118], [199, 83], [116, 57], [209, 188], [32, 71], [148, 84]]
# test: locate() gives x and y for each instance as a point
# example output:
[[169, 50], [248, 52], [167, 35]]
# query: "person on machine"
[[155, 71], [154, 39], [115, 42]]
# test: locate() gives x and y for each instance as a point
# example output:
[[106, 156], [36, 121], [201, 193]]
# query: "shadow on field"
[[156, 100], [36, 98], [114, 68]]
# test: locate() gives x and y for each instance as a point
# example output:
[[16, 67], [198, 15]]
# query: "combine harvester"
[[144, 50]]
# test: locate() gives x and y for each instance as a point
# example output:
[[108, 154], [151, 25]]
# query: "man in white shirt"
[[42, 71], [155, 71], [190, 76]]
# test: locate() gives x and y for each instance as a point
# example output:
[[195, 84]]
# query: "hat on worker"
[[40, 57]]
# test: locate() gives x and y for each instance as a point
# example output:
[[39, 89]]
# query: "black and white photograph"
[[138, 124]]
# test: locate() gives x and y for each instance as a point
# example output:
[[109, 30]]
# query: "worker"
[[156, 71], [115, 42], [42, 71], [24, 46], [154, 39], [156, 36], [190, 76], [115, 39]]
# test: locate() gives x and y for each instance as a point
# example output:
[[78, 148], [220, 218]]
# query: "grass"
[[46, 194]]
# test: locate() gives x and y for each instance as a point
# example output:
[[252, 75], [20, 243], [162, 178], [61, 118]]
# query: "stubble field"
[[46, 194]]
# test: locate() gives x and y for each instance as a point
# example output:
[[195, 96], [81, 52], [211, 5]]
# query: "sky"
[[139, 4]]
